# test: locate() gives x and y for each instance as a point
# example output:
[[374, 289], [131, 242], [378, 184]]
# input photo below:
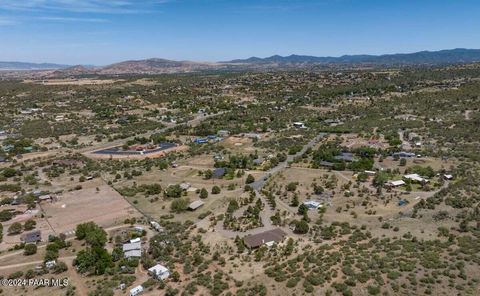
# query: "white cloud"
[[90, 6], [71, 19]]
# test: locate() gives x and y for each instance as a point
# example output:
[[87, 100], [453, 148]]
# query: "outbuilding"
[[32, 237], [195, 205], [219, 173], [136, 291]]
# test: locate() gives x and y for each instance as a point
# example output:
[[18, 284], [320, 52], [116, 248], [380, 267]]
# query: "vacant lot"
[[103, 206]]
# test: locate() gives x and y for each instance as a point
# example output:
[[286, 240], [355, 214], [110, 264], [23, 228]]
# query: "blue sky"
[[105, 31]]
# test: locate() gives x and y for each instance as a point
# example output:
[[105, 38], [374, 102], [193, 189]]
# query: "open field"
[[105, 207]]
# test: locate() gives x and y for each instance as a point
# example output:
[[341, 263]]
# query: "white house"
[[396, 183], [416, 178], [311, 204], [159, 271], [136, 291]]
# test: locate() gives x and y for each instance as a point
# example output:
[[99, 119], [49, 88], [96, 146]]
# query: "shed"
[[185, 186], [136, 291], [32, 237], [219, 173], [395, 183], [195, 205]]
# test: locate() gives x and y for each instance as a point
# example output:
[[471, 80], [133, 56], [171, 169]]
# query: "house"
[[59, 118], [415, 178], [395, 183], [370, 173], [159, 272], [402, 202], [299, 125], [136, 291], [345, 156], [264, 238], [312, 205], [223, 133], [32, 237], [132, 249], [195, 205], [252, 136], [403, 154], [3, 159], [200, 140], [219, 173]]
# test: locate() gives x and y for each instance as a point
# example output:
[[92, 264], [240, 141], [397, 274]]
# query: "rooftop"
[[256, 240]]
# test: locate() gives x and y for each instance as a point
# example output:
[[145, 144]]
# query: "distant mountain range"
[[30, 66], [451, 56], [159, 66]]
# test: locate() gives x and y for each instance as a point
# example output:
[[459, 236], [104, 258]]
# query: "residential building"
[[159, 271], [264, 238], [395, 183], [133, 249], [415, 178], [312, 205]]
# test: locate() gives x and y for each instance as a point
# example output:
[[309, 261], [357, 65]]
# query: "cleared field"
[[105, 207]]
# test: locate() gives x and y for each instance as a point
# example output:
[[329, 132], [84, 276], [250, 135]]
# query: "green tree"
[[203, 193], [294, 202], [30, 249], [301, 227], [302, 209], [250, 179], [216, 190], [179, 205], [15, 228], [29, 224]]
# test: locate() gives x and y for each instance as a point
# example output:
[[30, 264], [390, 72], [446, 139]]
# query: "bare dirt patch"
[[105, 207]]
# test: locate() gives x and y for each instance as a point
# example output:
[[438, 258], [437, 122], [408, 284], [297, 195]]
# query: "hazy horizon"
[[95, 32]]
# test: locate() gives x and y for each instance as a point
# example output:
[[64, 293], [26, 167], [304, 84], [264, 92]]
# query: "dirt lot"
[[105, 207]]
